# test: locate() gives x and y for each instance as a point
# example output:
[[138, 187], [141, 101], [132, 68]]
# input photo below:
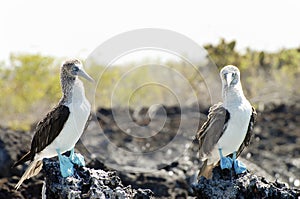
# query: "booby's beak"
[[83, 74], [228, 78]]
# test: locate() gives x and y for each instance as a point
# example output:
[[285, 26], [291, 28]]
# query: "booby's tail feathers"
[[23, 159], [206, 170], [33, 169]]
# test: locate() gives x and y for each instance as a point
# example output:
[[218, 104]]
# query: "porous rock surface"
[[86, 183], [224, 184]]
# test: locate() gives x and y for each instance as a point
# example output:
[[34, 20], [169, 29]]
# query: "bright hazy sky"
[[75, 28]]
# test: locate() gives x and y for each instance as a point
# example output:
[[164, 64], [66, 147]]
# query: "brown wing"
[[249, 132], [212, 129], [46, 131]]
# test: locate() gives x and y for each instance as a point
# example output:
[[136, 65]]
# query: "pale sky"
[[75, 28]]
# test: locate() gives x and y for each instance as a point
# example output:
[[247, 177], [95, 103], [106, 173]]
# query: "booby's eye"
[[75, 69]]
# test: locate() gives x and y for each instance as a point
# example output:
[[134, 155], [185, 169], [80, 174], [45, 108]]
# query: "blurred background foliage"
[[30, 82], [266, 77]]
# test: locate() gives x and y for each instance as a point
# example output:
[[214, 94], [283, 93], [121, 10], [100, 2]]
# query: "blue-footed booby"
[[229, 126], [62, 127]]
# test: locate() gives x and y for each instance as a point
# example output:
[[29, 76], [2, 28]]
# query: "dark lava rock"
[[225, 185], [171, 181], [274, 153], [86, 183], [31, 188], [13, 145]]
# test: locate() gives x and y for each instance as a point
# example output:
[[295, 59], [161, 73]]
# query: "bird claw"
[[239, 167], [76, 158], [66, 166], [66, 163], [226, 163]]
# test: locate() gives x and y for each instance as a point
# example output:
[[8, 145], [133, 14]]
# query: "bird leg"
[[225, 162], [65, 165], [239, 167], [76, 158]]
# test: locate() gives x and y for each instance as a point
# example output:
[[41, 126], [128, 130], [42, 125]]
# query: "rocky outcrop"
[[224, 184], [273, 153], [13, 144], [86, 183]]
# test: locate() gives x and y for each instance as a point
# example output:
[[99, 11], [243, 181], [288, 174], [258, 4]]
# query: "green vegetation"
[[267, 77], [30, 84]]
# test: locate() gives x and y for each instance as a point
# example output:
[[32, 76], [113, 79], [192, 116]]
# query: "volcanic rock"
[[224, 184], [86, 183]]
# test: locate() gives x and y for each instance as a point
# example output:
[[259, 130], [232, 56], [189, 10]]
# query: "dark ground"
[[162, 161], [224, 185]]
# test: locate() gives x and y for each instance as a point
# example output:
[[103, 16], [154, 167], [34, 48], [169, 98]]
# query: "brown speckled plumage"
[[52, 124], [67, 80]]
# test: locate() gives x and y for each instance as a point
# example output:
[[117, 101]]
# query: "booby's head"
[[230, 76], [73, 68], [232, 91]]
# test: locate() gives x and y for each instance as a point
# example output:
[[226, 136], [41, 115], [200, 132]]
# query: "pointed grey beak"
[[83, 74], [229, 78]]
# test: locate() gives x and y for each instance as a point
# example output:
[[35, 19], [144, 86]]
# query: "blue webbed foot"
[[225, 162], [76, 158], [66, 166], [239, 167]]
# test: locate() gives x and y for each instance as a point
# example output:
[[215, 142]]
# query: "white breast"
[[235, 132], [80, 109]]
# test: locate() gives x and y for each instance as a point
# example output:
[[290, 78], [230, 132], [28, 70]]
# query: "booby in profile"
[[62, 127], [229, 126]]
